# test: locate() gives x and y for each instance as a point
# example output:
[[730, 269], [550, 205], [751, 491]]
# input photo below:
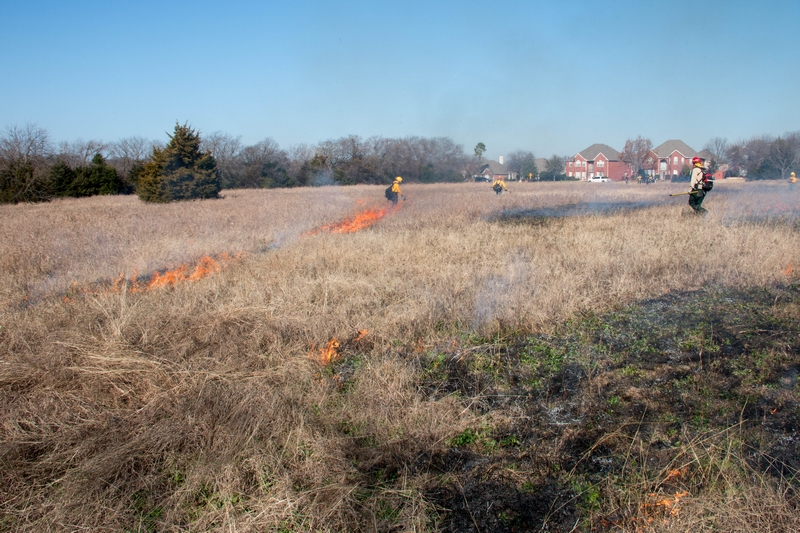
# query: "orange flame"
[[676, 473], [670, 504], [329, 353], [357, 222], [205, 266], [789, 269]]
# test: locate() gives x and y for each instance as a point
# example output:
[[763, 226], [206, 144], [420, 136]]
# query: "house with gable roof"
[[669, 158], [596, 160], [493, 170]]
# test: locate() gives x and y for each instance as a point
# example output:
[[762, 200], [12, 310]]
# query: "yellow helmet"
[[792, 174], [398, 179]]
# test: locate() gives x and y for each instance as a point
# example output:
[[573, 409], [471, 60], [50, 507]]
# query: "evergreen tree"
[[23, 182], [61, 178], [89, 180], [95, 178], [179, 171]]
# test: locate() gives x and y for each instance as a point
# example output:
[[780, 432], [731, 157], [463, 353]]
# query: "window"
[[675, 160], [601, 163]]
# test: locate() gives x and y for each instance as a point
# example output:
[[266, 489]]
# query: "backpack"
[[497, 187], [389, 193], [707, 183]]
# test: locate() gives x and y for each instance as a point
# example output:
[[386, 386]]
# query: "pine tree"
[[179, 171], [61, 178], [95, 178]]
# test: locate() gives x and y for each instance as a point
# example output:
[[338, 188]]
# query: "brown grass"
[[196, 407]]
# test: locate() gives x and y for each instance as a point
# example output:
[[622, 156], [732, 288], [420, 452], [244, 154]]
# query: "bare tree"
[[262, 165], [555, 167], [25, 144], [80, 152], [23, 164], [718, 147], [784, 153], [523, 163], [125, 153], [636, 153], [298, 155], [224, 148]]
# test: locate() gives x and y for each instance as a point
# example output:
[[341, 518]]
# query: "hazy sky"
[[549, 77]]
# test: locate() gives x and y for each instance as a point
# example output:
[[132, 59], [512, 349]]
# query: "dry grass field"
[[563, 357]]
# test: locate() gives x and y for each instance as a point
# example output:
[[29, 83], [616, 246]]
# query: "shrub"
[[179, 171]]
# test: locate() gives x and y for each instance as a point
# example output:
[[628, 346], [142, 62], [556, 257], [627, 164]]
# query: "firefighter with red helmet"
[[701, 183]]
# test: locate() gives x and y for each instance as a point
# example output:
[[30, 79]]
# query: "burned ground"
[[605, 400], [540, 214]]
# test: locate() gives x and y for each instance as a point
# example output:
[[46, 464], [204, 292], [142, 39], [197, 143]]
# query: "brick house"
[[596, 160], [669, 158]]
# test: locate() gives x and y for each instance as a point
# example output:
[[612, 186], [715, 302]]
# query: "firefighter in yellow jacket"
[[792, 181], [394, 193], [499, 185]]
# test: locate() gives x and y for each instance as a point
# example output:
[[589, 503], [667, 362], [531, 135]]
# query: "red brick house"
[[669, 158], [596, 160]]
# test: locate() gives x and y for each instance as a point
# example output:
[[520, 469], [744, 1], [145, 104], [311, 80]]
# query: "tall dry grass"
[[197, 407]]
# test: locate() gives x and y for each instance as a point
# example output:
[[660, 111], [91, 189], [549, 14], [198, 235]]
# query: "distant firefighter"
[[792, 181], [393, 192], [499, 185]]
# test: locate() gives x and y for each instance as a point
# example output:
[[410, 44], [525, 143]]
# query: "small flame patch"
[[206, 266], [359, 221], [331, 352]]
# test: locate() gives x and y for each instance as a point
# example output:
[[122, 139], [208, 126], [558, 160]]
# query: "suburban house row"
[[665, 161]]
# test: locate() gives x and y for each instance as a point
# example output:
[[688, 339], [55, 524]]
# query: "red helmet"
[[696, 161]]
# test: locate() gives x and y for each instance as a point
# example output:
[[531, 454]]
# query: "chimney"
[[501, 160]]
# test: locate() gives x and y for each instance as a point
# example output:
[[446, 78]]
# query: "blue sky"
[[549, 77]]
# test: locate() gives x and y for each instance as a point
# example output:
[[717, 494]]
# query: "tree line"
[[760, 158], [33, 168]]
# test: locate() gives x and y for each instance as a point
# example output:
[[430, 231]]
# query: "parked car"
[[482, 178], [598, 179]]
